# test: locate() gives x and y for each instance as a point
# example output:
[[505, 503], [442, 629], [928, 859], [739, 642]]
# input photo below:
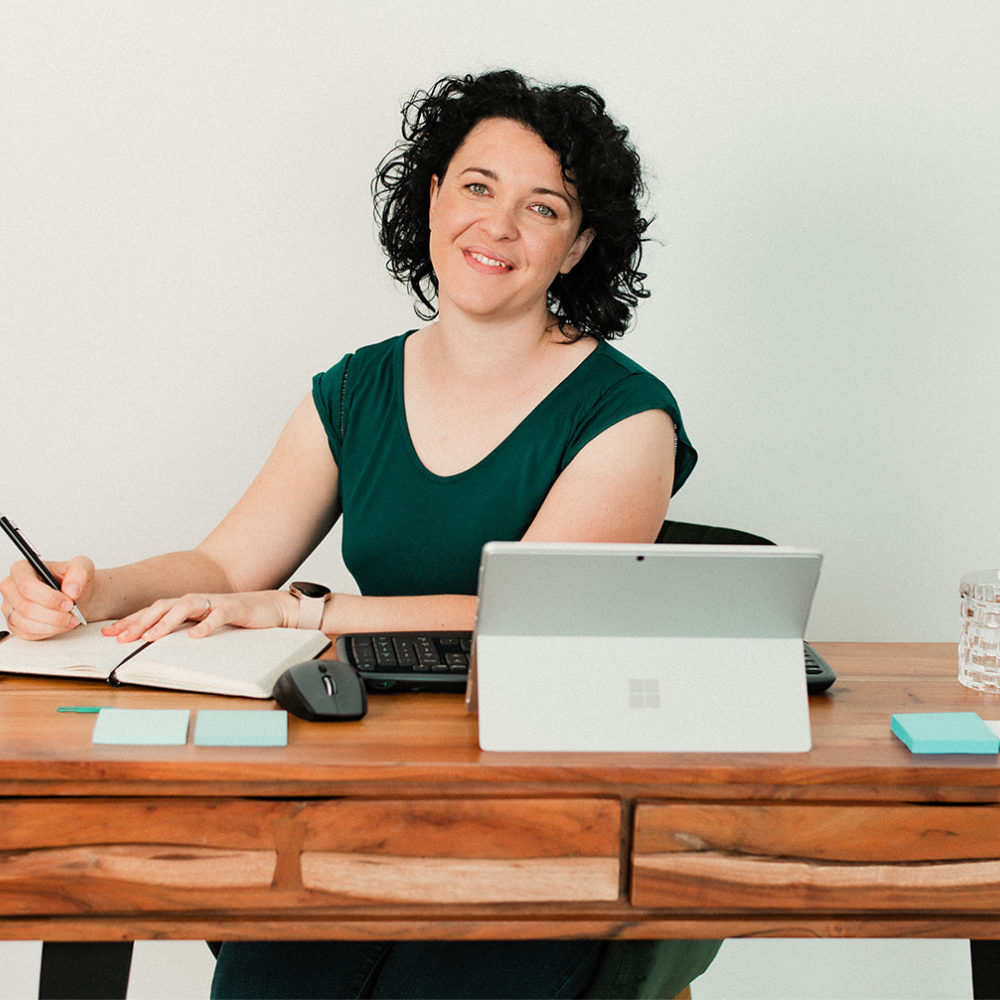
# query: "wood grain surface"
[[400, 826]]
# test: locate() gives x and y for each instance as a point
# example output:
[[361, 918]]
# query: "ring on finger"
[[208, 608]]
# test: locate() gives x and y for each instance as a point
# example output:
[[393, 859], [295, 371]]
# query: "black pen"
[[14, 534]]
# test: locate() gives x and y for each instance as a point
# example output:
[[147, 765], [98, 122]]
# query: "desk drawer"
[[487, 851], [817, 857], [64, 856]]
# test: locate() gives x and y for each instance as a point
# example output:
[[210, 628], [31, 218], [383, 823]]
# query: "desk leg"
[[85, 970], [985, 957]]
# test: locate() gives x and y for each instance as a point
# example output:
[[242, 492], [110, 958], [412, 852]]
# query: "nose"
[[499, 222]]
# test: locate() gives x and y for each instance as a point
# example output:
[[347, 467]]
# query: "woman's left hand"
[[257, 609]]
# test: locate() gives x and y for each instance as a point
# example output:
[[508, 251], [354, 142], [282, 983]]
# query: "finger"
[[31, 588], [41, 611], [22, 629], [212, 622], [75, 576], [192, 607], [163, 617], [37, 620], [23, 626], [137, 624], [169, 622]]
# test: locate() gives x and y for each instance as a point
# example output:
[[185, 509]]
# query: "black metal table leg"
[[985, 957], [85, 970]]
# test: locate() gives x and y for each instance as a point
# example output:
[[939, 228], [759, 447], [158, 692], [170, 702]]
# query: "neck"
[[491, 347]]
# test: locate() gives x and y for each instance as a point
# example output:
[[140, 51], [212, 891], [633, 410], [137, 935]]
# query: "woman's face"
[[504, 222]]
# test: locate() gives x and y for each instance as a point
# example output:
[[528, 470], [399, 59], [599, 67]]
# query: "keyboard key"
[[406, 655], [385, 650]]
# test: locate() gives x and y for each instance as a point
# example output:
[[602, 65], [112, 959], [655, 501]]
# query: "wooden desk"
[[399, 826]]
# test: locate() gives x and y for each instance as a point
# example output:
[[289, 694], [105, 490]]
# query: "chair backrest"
[[683, 533]]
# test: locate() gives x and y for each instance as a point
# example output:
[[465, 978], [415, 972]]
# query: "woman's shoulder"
[[369, 354], [608, 368], [371, 368], [372, 361], [613, 360], [616, 387]]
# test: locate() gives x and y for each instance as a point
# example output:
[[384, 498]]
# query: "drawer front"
[[70, 856], [816, 857], [491, 851]]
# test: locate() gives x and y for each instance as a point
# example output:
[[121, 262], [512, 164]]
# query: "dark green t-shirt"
[[409, 531]]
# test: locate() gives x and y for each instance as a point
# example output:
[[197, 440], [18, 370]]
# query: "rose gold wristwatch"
[[312, 602]]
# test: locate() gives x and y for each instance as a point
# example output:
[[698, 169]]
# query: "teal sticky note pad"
[[240, 728], [945, 732], [142, 726]]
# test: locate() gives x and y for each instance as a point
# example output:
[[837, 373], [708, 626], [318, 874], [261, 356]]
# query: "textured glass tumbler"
[[979, 645]]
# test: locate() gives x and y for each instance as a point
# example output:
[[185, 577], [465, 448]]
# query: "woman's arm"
[[284, 514], [286, 511], [616, 489], [230, 578]]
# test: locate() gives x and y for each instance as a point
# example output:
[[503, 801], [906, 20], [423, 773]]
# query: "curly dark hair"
[[597, 296]]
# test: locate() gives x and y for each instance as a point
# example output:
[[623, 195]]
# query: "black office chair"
[[684, 533]]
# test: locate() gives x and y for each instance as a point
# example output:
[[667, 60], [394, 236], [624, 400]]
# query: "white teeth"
[[488, 261]]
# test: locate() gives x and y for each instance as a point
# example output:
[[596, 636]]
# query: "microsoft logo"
[[644, 692]]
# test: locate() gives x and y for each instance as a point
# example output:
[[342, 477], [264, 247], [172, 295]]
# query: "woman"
[[515, 207], [511, 212]]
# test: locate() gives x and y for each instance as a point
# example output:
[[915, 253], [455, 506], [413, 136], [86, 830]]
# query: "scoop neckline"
[[503, 445]]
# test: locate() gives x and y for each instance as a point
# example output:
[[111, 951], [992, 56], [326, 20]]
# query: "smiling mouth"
[[487, 261]]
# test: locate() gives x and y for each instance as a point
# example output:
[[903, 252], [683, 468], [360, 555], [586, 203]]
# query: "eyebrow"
[[492, 175]]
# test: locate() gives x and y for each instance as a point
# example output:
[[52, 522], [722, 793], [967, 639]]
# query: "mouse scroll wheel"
[[331, 688]]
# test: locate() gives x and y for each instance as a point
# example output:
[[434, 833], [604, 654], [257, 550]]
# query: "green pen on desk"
[[83, 709]]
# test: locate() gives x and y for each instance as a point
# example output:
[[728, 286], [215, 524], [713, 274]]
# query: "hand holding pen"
[[33, 593]]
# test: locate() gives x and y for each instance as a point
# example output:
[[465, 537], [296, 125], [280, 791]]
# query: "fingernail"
[[66, 606], [73, 590]]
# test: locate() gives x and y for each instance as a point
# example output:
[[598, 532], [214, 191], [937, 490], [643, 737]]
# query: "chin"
[[484, 307]]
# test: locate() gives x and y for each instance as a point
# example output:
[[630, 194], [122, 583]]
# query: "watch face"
[[311, 590]]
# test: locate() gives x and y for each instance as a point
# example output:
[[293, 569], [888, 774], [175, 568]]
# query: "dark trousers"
[[405, 970]]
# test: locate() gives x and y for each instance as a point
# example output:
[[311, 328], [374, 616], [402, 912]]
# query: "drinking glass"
[[979, 645]]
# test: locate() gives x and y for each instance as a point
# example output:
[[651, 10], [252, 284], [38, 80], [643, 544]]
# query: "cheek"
[[449, 222], [555, 252], [440, 240]]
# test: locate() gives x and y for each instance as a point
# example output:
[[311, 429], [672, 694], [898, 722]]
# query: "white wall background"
[[186, 237]]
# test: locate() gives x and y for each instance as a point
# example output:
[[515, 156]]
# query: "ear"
[[435, 187], [576, 251]]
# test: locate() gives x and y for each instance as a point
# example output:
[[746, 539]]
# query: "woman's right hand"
[[38, 611]]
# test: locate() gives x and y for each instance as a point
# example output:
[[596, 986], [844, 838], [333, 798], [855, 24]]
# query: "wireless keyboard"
[[439, 661]]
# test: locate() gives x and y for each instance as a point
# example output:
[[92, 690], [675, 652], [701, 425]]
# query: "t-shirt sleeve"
[[328, 395], [637, 392]]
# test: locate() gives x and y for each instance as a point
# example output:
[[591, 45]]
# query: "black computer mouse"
[[322, 691]]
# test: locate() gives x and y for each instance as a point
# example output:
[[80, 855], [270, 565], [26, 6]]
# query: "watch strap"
[[312, 602]]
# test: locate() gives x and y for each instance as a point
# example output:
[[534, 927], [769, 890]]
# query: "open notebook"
[[233, 661]]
